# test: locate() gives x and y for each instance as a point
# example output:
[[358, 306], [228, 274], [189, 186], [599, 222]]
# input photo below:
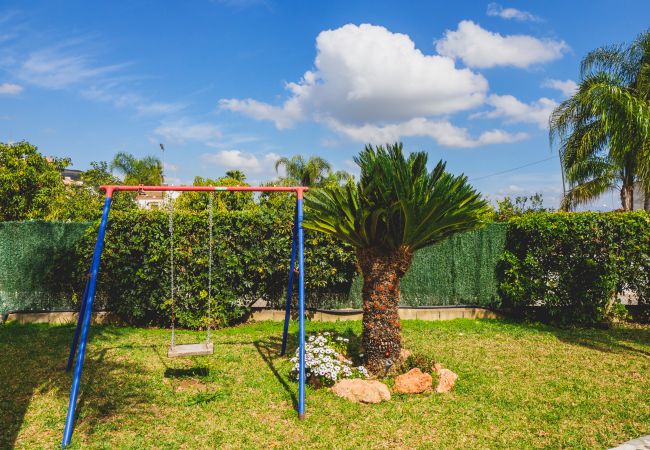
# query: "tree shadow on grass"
[[33, 357], [191, 372], [617, 339], [269, 350], [33, 362]]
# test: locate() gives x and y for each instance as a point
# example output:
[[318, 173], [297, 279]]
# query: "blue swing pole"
[[301, 305], [292, 265], [75, 339], [85, 326]]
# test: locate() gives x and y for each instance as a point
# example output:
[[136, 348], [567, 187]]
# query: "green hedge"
[[251, 261], [36, 258], [569, 266], [572, 266]]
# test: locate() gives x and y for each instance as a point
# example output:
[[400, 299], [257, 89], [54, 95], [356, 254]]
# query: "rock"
[[447, 379], [362, 391], [413, 382]]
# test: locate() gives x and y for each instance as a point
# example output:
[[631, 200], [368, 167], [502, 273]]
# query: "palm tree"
[[395, 208], [236, 175], [604, 128], [147, 171], [311, 172]]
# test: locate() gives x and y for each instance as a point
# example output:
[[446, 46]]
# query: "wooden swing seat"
[[176, 351]]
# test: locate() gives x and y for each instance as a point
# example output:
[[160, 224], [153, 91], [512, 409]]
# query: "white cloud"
[[111, 93], [496, 10], [283, 116], [329, 143], [58, 68], [10, 89], [72, 64], [566, 87], [184, 130], [515, 111], [236, 159], [157, 108], [443, 132], [366, 74], [481, 48]]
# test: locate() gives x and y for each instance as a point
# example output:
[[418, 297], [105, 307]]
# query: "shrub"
[[572, 266], [251, 256], [423, 362]]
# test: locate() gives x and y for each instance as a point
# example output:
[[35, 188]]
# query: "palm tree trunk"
[[382, 273], [646, 199], [627, 197]]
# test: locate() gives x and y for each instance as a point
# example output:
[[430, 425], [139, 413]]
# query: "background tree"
[[84, 202], [147, 170], [396, 208], [522, 204], [604, 128], [338, 177], [314, 171], [236, 175], [29, 182], [198, 201]]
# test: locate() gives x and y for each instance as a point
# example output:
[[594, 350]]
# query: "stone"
[[362, 391], [413, 382], [446, 378]]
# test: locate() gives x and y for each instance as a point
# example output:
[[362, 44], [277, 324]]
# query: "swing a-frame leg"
[[176, 351]]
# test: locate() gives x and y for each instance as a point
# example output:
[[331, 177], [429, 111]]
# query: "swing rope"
[[171, 261], [172, 271]]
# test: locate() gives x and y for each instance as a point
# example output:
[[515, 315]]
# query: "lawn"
[[520, 386]]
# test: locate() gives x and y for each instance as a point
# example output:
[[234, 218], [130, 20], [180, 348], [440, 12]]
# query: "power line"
[[514, 168]]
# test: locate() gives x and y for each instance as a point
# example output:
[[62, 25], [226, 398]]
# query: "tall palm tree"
[[236, 175], [147, 171], [309, 172], [395, 208], [604, 128]]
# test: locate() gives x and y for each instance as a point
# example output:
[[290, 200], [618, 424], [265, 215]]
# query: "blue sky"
[[237, 83]]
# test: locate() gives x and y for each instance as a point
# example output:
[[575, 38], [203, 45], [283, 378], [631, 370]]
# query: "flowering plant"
[[326, 361]]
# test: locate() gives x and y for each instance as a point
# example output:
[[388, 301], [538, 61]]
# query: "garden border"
[[427, 313]]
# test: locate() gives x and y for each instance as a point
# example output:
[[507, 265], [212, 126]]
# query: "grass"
[[520, 386]]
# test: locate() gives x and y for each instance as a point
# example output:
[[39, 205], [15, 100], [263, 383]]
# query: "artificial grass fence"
[[41, 263], [519, 386], [36, 264]]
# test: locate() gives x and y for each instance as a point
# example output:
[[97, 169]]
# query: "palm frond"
[[396, 202], [607, 119]]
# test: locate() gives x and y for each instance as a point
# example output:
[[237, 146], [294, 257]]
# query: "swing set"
[[79, 343]]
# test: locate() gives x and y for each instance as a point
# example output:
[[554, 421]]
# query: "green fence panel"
[[36, 262], [458, 271], [37, 259]]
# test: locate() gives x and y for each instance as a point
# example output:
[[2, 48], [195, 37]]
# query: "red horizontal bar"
[[118, 187]]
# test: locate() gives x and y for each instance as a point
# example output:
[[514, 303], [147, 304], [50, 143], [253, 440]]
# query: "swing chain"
[[171, 259]]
